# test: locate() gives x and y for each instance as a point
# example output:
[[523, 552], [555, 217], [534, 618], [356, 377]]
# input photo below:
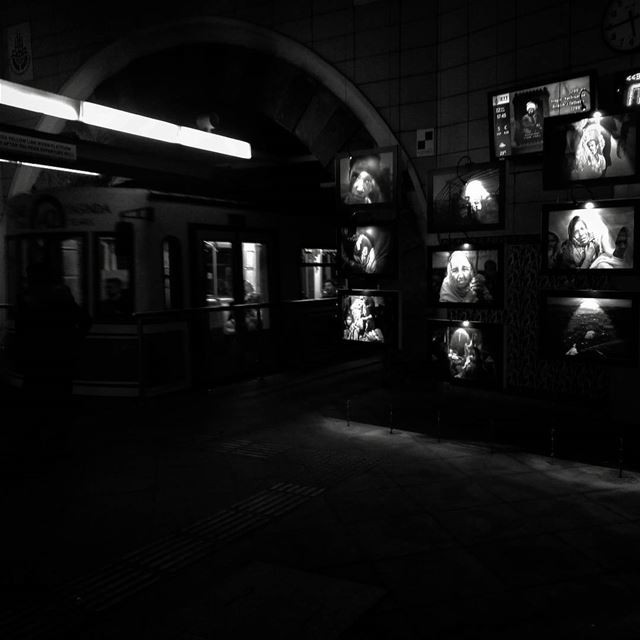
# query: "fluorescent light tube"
[[31, 99], [125, 122], [213, 142], [51, 104], [48, 166]]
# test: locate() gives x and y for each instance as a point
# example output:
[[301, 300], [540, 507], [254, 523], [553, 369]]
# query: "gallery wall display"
[[466, 353], [367, 178], [517, 116], [590, 149], [600, 237], [466, 198], [368, 251], [596, 326], [466, 276], [370, 317]]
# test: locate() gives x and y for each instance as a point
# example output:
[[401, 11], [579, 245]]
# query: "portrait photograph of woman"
[[366, 178], [465, 276], [600, 237]]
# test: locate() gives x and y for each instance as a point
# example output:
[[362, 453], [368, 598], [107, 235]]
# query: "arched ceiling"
[[294, 124]]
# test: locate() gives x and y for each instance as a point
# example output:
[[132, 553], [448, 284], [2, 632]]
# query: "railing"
[[201, 347]]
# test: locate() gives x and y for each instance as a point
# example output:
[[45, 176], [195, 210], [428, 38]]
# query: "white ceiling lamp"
[[51, 104]]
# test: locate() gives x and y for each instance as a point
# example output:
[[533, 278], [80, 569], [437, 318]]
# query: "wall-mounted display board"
[[517, 116], [370, 317], [368, 250], [466, 198], [593, 149], [465, 275], [367, 179], [590, 325], [467, 353], [602, 236]]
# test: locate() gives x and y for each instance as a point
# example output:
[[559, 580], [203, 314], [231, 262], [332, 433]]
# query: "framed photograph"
[[597, 326], [369, 317], [465, 275], [367, 179], [517, 116], [600, 237], [590, 149], [467, 353], [368, 251], [466, 198]]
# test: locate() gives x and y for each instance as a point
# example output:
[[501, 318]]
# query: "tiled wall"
[[420, 63]]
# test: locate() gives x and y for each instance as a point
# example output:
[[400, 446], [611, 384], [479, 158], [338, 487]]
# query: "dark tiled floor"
[[274, 509]]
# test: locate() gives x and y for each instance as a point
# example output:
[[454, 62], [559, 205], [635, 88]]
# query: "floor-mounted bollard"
[[552, 453], [620, 456], [391, 418], [348, 413], [438, 425]]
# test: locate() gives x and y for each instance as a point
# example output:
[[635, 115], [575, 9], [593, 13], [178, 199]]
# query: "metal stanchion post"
[[552, 453], [620, 456], [391, 418], [348, 413], [438, 425]]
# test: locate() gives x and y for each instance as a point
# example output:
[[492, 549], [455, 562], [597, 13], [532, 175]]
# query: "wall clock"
[[621, 25]]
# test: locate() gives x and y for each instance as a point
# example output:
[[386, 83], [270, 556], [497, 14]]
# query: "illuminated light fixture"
[[213, 142], [31, 99], [49, 166], [589, 205], [126, 122], [51, 104], [466, 245], [465, 323]]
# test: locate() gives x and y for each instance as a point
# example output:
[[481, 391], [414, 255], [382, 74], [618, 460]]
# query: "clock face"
[[621, 25]]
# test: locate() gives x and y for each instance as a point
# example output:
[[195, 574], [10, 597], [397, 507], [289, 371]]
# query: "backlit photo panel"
[[592, 326], [590, 149], [370, 316], [470, 277], [368, 250], [467, 353], [602, 237], [367, 179], [468, 198]]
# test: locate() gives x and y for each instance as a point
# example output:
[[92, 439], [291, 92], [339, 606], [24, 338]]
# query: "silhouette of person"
[[50, 326], [117, 303]]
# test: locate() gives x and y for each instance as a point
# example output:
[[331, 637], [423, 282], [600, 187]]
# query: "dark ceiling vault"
[[294, 124]]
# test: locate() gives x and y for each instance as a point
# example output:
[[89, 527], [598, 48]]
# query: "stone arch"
[[157, 38]]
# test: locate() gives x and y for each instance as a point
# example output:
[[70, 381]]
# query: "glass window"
[[218, 267], [172, 273], [115, 301], [255, 283], [318, 273], [63, 254]]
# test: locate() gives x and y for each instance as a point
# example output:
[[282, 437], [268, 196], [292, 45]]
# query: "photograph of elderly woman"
[[366, 178], [598, 238], [465, 276]]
